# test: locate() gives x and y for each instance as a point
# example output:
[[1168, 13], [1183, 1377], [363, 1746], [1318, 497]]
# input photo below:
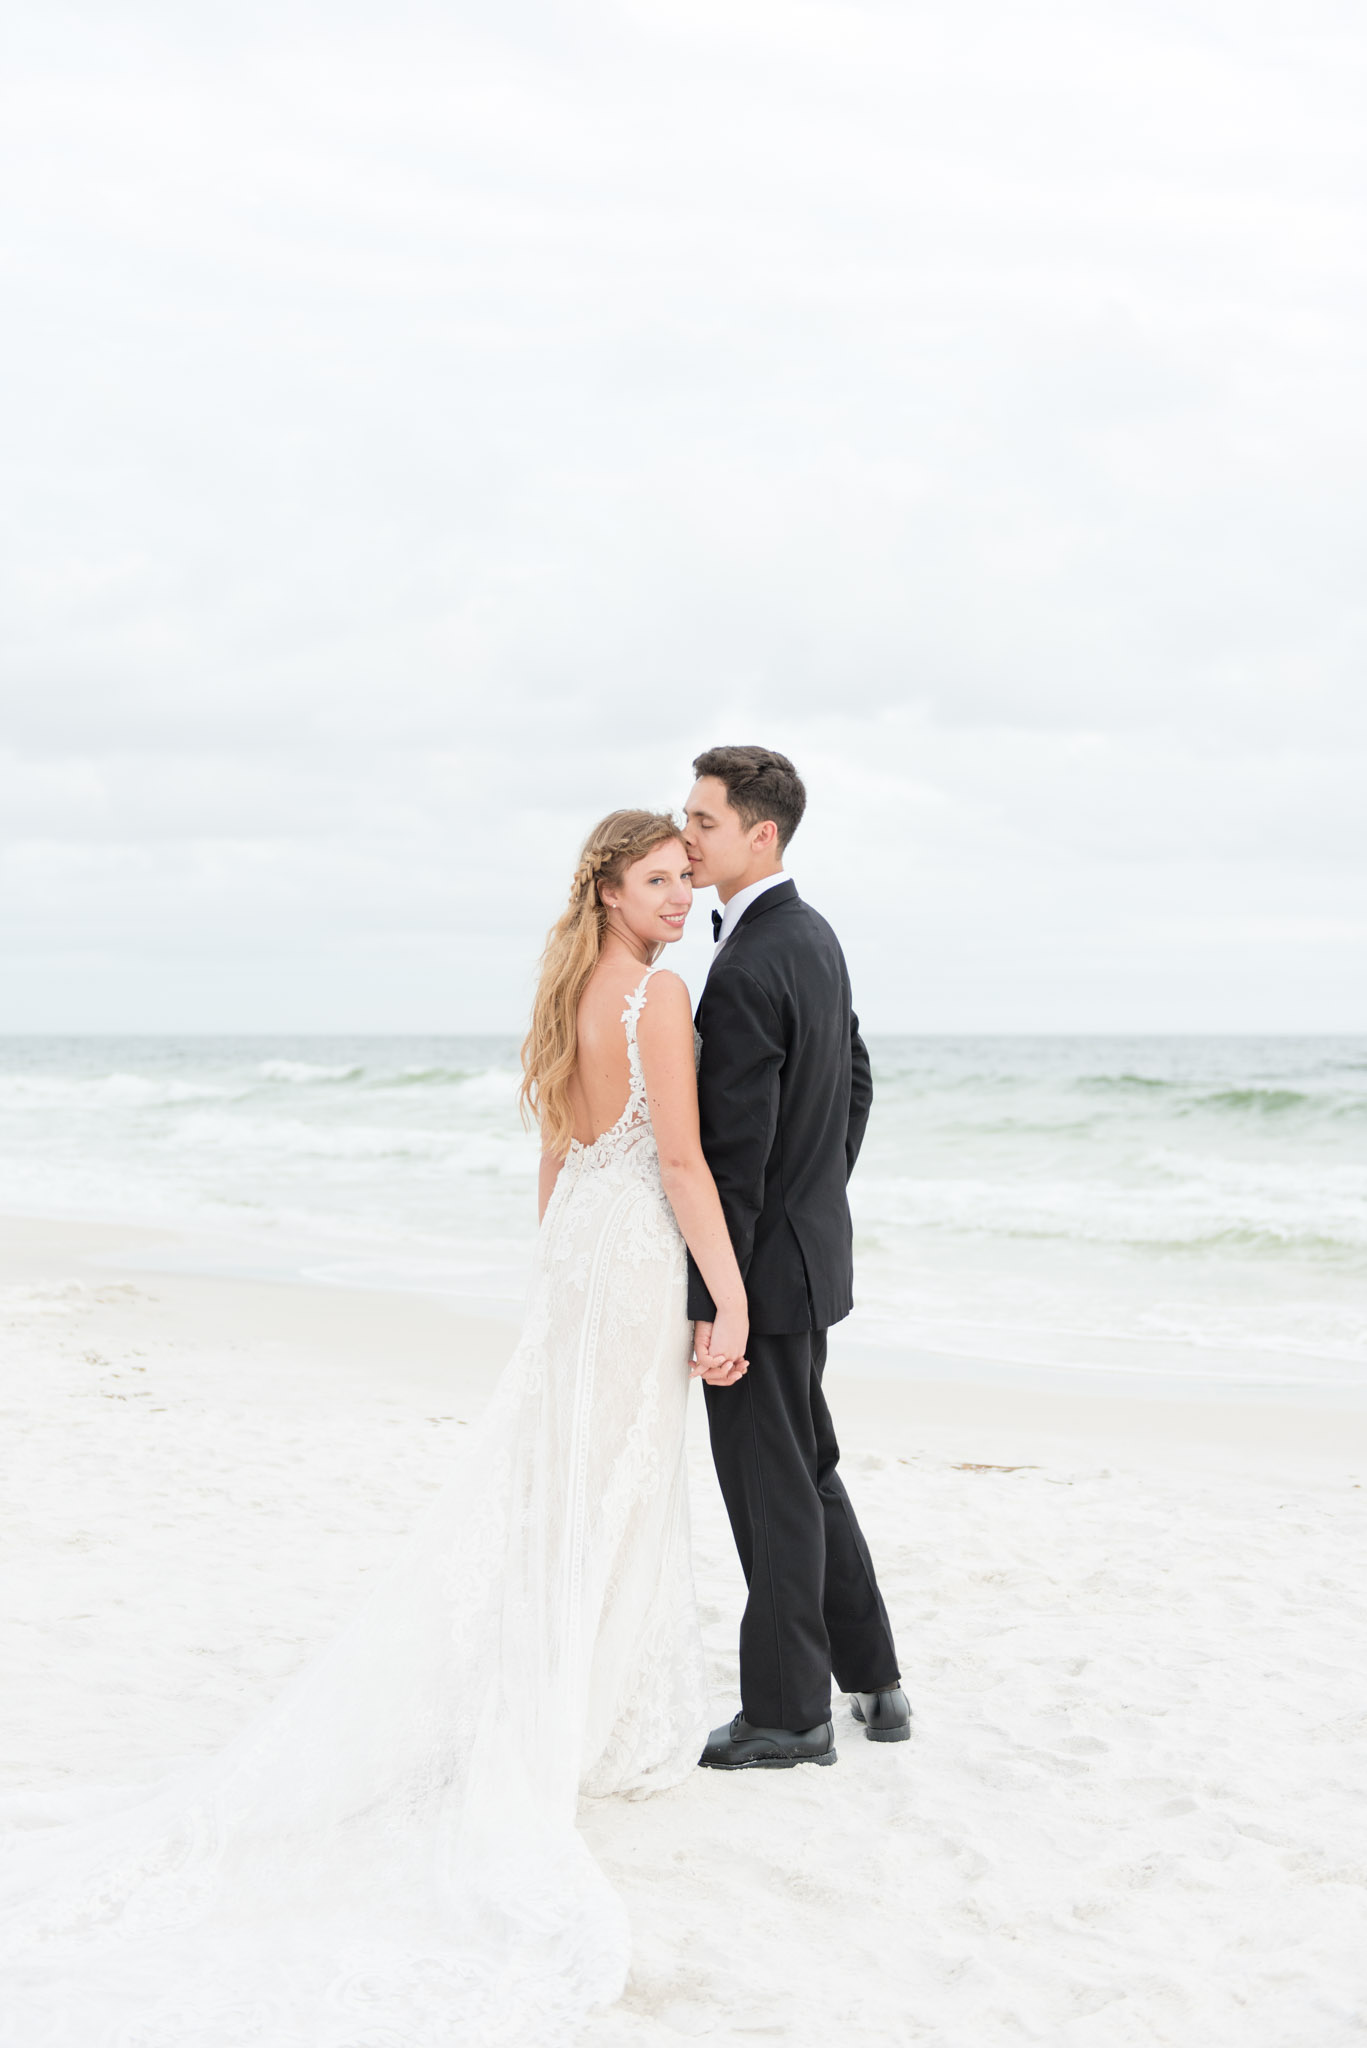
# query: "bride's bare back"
[[602, 1080]]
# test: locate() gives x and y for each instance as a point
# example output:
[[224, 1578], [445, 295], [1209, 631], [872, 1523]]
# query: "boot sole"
[[768, 1763]]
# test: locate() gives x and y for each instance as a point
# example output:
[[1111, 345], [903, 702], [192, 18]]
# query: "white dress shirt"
[[735, 910]]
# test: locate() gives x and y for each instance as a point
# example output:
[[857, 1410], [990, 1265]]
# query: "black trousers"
[[814, 1606]]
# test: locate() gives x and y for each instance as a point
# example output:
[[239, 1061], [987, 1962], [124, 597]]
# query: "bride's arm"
[[665, 1037], [546, 1180]]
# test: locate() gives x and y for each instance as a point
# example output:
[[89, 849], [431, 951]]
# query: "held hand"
[[716, 1372], [717, 1349], [730, 1334]]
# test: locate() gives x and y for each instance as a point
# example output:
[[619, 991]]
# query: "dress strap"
[[636, 1002], [631, 1017]]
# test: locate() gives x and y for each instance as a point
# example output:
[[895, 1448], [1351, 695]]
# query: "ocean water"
[[1178, 1215]]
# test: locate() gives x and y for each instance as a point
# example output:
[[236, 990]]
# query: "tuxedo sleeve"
[[861, 1095], [738, 1087]]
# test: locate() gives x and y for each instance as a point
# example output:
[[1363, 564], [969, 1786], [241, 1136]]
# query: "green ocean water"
[[1157, 1211]]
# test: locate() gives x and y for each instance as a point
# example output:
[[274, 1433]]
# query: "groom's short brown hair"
[[760, 784]]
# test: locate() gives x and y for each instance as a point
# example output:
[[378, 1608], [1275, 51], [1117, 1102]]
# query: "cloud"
[[428, 431]]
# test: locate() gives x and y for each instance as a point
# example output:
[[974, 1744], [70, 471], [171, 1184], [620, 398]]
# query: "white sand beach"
[[1134, 1808]]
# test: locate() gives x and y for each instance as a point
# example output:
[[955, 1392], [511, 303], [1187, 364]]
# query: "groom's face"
[[717, 843]]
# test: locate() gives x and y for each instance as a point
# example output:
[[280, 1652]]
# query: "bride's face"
[[654, 896]]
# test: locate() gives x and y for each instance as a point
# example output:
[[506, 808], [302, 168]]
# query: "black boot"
[[886, 1715], [740, 1747]]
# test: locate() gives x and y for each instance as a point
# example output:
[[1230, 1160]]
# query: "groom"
[[783, 1096]]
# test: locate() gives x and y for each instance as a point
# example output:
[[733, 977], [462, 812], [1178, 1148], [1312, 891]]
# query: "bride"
[[387, 1856]]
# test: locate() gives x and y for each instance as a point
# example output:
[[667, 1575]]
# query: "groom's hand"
[[706, 1366]]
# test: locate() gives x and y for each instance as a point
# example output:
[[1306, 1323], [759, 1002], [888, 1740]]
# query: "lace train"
[[387, 1856]]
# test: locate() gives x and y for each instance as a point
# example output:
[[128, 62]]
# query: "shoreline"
[[442, 1345]]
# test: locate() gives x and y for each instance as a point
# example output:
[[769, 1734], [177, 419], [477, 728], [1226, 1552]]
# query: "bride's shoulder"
[[667, 1000], [664, 984]]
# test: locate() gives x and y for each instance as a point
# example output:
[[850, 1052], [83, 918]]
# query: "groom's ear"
[[764, 838]]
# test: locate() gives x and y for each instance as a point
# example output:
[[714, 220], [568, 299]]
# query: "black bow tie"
[[716, 926]]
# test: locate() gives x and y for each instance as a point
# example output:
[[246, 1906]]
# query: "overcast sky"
[[425, 427]]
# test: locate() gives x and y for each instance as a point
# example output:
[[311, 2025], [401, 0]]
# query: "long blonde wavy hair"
[[551, 1047]]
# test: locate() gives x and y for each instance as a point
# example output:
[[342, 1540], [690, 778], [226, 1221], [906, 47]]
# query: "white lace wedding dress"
[[387, 1857]]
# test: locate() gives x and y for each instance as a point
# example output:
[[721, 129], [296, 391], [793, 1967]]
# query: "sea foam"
[[1156, 1210]]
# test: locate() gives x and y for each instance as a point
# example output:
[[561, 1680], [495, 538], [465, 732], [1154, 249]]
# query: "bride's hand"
[[718, 1349], [730, 1335]]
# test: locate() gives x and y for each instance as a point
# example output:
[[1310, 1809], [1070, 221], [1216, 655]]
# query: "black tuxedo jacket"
[[783, 1095]]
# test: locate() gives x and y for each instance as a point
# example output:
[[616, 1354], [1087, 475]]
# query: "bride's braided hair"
[[551, 1048], [589, 869]]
